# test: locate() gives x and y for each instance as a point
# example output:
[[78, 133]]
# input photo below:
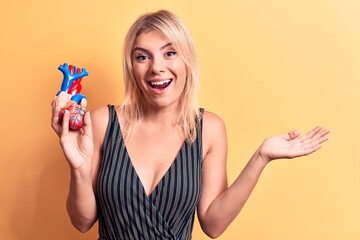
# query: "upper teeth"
[[160, 82]]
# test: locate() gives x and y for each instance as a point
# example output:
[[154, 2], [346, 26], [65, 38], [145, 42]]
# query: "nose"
[[157, 66]]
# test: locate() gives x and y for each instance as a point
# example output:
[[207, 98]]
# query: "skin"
[[155, 59]]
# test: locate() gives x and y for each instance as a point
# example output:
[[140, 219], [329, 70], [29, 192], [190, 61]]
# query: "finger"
[[55, 115], [83, 102], [59, 102], [55, 122], [65, 123], [53, 102], [62, 99], [322, 136], [312, 145], [324, 132], [294, 134], [87, 124], [55, 107], [87, 127], [311, 133], [318, 138], [311, 149]]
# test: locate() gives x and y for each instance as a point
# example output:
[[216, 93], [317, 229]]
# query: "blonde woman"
[[142, 169]]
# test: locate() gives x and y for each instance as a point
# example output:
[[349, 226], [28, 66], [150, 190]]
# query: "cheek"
[[184, 74], [138, 72], [138, 79], [180, 69]]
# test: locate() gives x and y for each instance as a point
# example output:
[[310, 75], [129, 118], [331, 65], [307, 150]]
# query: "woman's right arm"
[[82, 152]]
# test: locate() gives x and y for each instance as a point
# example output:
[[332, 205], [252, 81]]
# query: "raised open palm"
[[293, 145]]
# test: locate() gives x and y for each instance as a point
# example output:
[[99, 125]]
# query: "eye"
[[170, 54], [141, 57]]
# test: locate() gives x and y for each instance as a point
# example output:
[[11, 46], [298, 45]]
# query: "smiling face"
[[158, 70]]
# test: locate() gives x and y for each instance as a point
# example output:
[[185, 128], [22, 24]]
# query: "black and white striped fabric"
[[127, 212]]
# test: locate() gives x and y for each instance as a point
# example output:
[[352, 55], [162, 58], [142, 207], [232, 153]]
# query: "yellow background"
[[267, 67]]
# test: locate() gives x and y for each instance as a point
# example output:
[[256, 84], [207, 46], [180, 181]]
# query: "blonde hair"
[[170, 25]]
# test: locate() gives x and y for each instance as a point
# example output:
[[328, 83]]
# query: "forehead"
[[151, 39]]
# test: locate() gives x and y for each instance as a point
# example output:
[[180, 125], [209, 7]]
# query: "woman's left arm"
[[220, 204]]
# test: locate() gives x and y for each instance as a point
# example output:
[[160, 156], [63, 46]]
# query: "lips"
[[160, 84]]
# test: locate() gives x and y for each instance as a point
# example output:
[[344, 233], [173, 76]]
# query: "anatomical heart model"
[[70, 97]]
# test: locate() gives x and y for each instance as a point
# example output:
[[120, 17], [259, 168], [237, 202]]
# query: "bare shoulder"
[[100, 119], [214, 132], [212, 123], [100, 115]]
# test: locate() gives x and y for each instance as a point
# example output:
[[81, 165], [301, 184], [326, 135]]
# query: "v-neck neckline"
[[162, 179], [148, 195]]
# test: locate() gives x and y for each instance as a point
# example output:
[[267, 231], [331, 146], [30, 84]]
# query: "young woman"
[[142, 168]]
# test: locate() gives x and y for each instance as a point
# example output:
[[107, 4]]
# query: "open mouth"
[[160, 84]]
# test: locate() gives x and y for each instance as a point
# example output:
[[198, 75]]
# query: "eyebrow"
[[145, 50]]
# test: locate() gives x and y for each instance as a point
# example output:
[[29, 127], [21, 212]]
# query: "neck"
[[160, 116], [160, 121]]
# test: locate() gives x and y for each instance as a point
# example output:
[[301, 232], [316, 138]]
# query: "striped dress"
[[127, 212]]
